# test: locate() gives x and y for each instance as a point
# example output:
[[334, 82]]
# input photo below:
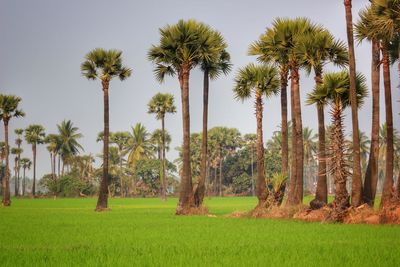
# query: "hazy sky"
[[43, 43]]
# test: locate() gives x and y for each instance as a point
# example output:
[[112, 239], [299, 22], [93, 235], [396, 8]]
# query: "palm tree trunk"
[[356, 192], [15, 177], [220, 172], [371, 174], [299, 156], [6, 180], [24, 184], [164, 169], [102, 202], [186, 195], [120, 172], [199, 195], [54, 165], [321, 193], [59, 163], [293, 164], [388, 182], [261, 190], [339, 168], [34, 170], [284, 123], [215, 181]]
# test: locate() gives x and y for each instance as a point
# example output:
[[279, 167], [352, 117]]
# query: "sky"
[[43, 43]]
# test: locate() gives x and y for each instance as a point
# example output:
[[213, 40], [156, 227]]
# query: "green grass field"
[[145, 232]]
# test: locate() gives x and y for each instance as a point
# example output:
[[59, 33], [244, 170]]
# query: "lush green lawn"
[[145, 232]]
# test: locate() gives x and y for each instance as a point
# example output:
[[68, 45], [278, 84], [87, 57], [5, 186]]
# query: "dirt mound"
[[238, 214], [390, 214], [312, 215], [192, 211], [276, 212], [362, 214]]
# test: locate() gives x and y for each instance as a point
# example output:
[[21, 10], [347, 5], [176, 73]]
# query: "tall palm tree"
[[179, 51], [121, 139], [356, 192], [213, 65], [160, 104], [8, 110], [365, 31], [258, 80], [53, 142], [69, 145], [104, 65], [25, 164], [18, 141], [34, 135], [387, 26], [272, 48], [315, 51], [336, 86]]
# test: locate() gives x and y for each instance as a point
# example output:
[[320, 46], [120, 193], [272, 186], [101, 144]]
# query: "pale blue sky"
[[43, 43]]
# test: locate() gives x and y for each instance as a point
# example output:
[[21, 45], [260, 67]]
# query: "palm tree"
[[25, 164], [180, 49], [160, 104], [356, 192], [157, 140], [121, 139], [212, 67], [17, 151], [8, 109], [310, 148], [315, 51], [386, 24], [53, 142], [250, 141], [365, 31], [336, 86], [104, 65], [18, 142], [69, 146], [258, 80], [34, 135], [271, 48]]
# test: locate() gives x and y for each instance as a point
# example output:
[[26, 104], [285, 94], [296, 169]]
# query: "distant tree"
[[25, 164], [34, 135], [160, 104], [121, 139], [18, 141], [104, 65]]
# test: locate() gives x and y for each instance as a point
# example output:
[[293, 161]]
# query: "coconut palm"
[[257, 80], [104, 65], [69, 145], [365, 31], [121, 139], [34, 135], [337, 88], [180, 49], [25, 164], [8, 110], [213, 65], [161, 104]]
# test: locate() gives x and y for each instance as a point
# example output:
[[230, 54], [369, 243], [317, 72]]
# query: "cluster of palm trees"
[[282, 51]]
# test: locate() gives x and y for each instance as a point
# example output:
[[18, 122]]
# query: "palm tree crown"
[[161, 104]]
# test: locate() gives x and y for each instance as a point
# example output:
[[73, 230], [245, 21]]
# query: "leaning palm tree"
[[34, 135], [104, 65], [365, 31], [258, 80], [336, 86], [179, 51], [213, 65], [356, 192], [8, 110], [121, 139], [25, 164], [160, 104]]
